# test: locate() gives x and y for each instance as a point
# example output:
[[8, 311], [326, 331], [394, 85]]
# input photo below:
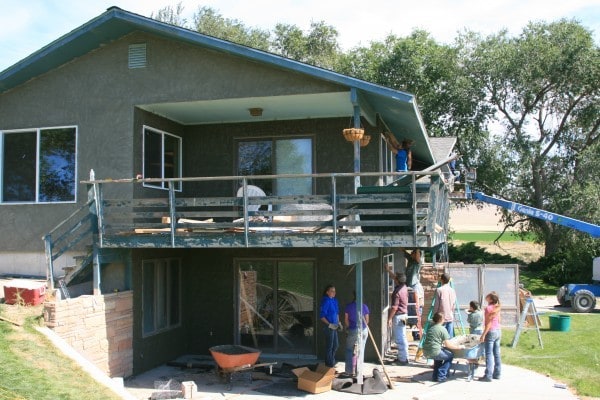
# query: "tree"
[[318, 47], [451, 104], [545, 87], [171, 15], [208, 21]]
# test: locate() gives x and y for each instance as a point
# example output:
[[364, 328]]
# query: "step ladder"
[[63, 288], [528, 310]]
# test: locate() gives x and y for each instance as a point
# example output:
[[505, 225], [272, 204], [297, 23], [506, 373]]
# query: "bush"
[[469, 253], [568, 266]]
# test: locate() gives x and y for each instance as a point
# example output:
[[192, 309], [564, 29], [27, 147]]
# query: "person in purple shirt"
[[357, 338], [330, 316]]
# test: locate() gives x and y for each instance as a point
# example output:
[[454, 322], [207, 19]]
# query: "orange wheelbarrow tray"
[[231, 358]]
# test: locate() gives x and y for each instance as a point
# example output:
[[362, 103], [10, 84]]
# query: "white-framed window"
[[387, 160], [38, 165], [387, 282], [162, 157], [161, 295]]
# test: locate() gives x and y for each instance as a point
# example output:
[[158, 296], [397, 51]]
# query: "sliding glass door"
[[277, 156], [276, 311]]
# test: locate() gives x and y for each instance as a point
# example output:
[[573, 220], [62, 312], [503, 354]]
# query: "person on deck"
[[403, 154]]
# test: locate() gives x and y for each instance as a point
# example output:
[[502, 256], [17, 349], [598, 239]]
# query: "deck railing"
[[413, 211]]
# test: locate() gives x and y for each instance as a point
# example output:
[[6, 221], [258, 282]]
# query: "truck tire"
[[561, 297], [584, 301]]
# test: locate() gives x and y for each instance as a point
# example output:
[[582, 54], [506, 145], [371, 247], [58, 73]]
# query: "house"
[[193, 192]]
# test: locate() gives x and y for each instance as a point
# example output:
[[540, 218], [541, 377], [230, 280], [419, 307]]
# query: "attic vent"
[[137, 55]]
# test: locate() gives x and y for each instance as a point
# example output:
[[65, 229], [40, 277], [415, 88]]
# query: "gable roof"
[[398, 110]]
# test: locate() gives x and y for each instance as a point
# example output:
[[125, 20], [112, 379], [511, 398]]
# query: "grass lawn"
[[571, 357], [31, 368], [535, 285], [486, 237]]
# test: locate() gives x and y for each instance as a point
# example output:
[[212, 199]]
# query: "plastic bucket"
[[561, 323]]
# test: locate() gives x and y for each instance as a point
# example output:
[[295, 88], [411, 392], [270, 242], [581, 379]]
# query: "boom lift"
[[580, 296], [583, 226]]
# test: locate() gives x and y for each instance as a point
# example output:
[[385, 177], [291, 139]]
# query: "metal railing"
[[414, 207]]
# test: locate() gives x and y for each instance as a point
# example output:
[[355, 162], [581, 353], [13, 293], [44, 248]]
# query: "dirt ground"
[[525, 251], [486, 219], [17, 314]]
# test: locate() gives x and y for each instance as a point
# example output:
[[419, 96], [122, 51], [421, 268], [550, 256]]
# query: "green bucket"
[[561, 323]]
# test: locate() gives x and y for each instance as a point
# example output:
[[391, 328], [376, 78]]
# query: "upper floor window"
[[277, 156], [162, 157], [387, 161], [38, 165]]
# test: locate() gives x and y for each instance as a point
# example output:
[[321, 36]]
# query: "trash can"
[[561, 323]]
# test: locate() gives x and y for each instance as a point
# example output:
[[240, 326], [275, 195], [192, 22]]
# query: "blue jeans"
[[441, 365], [493, 365], [450, 328], [331, 346], [353, 337], [399, 327]]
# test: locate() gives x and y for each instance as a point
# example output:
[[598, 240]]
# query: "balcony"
[[411, 212]]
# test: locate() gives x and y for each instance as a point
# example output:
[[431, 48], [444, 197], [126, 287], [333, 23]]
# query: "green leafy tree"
[[171, 15], [317, 47], [544, 86], [210, 22], [450, 103]]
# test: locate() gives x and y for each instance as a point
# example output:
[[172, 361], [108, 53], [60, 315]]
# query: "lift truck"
[[580, 296]]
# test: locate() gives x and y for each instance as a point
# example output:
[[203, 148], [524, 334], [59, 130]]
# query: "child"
[[491, 337], [475, 320]]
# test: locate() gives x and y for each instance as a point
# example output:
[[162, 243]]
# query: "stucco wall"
[[100, 328], [98, 94]]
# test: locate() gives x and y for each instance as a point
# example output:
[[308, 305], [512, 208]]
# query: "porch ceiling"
[[324, 105], [400, 117]]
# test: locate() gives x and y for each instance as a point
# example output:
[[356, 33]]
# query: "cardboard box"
[[188, 389], [318, 381], [24, 292]]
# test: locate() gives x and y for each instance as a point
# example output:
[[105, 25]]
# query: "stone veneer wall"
[[100, 328], [429, 279]]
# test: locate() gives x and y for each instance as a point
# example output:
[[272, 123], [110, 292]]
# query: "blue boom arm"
[[583, 226]]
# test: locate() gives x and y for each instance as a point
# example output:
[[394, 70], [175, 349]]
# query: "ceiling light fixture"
[[256, 111]]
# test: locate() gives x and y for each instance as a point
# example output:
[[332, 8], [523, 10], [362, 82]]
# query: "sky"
[[28, 25]]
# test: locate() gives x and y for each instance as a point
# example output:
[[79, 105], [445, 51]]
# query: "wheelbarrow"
[[471, 353], [231, 359]]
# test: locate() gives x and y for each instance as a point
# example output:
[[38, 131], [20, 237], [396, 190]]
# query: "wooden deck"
[[409, 215], [413, 212]]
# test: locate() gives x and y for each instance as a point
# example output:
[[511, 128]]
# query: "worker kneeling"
[[437, 346]]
